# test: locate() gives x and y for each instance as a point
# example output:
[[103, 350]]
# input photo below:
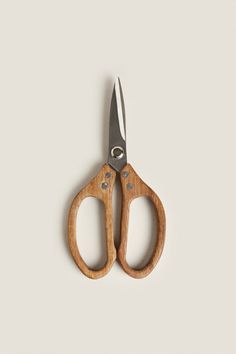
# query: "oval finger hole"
[[142, 232], [116, 211], [90, 232]]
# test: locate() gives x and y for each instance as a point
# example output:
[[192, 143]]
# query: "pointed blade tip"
[[117, 82]]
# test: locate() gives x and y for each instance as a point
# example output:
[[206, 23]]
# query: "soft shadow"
[[105, 116], [83, 180]]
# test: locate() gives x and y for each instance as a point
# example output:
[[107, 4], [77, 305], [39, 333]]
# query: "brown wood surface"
[[133, 187], [97, 189]]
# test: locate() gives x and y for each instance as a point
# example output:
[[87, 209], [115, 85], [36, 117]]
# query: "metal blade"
[[117, 157]]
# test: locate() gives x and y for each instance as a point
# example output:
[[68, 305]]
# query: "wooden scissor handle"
[[133, 187], [99, 187]]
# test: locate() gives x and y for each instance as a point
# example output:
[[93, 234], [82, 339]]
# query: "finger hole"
[[116, 211], [90, 233], [142, 232]]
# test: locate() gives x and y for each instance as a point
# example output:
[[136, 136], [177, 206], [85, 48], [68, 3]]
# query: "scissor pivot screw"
[[125, 174], [129, 186], [108, 174], [117, 152], [104, 185]]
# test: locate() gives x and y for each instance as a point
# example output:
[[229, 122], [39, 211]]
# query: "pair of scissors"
[[132, 187]]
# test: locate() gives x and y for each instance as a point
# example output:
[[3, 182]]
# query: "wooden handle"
[[133, 187], [99, 187]]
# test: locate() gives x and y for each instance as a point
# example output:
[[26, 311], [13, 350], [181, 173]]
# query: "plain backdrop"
[[58, 62]]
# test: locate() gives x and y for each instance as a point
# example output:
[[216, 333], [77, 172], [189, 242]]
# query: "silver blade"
[[117, 157]]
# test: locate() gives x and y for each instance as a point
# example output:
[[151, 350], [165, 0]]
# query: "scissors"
[[132, 187]]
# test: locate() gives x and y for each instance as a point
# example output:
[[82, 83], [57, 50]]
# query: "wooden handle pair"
[[101, 187]]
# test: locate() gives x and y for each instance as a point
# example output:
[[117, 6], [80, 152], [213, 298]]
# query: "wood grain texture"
[[133, 187], [99, 187]]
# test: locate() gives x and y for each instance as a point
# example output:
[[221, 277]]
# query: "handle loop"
[[99, 187], [133, 187]]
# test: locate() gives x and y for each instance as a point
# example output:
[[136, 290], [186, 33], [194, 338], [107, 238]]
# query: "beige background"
[[177, 61]]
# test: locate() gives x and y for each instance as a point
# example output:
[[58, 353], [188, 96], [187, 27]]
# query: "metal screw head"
[[108, 174], [104, 185], [125, 174], [129, 186]]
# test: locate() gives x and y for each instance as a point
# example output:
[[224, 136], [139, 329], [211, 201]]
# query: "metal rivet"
[[117, 152], [129, 186], [104, 185], [125, 174], [108, 174]]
